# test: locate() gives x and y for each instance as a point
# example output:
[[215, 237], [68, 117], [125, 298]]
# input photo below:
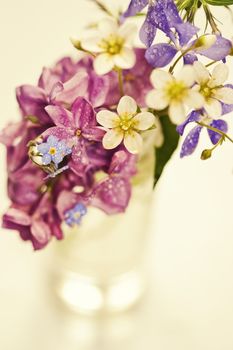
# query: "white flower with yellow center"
[[211, 88], [174, 93], [125, 125], [113, 46]]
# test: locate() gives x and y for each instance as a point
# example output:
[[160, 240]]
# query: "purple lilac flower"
[[74, 216], [77, 128], [53, 150]]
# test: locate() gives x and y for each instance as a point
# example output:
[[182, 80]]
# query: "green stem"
[[223, 134], [171, 69], [210, 64], [120, 81]]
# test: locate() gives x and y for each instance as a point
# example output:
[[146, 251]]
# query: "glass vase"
[[98, 267]]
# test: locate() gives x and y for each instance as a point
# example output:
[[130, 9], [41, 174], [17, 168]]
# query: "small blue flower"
[[53, 150], [74, 215]]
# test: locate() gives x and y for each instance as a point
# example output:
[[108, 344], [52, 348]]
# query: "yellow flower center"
[[52, 151], [206, 91], [78, 132], [112, 45], [176, 90], [126, 122]]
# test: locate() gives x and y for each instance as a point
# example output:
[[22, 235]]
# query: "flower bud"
[[206, 154], [204, 42]]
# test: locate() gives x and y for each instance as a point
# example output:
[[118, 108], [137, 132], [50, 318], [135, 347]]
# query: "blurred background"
[[189, 303]]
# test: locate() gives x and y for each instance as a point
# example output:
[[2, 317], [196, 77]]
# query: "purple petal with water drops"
[[220, 125], [160, 55], [123, 163], [79, 162], [147, 33], [60, 132], [190, 58], [171, 11], [191, 141], [93, 134], [83, 114], [192, 117], [157, 16], [135, 7], [219, 50], [98, 87], [112, 195], [60, 116], [185, 31]]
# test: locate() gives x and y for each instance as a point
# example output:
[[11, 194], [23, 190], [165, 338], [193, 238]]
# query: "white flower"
[[113, 46], [125, 125], [210, 86], [174, 93]]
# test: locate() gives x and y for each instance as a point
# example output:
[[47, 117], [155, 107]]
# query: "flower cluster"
[[83, 127]]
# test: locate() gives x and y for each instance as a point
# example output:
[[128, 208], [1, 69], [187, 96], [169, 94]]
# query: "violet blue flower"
[[53, 150], [74, 216]]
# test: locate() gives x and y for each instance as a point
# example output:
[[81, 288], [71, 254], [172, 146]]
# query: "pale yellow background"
[[190, 303]]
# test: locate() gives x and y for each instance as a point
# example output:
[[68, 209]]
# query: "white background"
[[190, 303]]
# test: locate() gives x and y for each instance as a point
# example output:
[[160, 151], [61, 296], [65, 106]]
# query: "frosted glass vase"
[[98, 267]]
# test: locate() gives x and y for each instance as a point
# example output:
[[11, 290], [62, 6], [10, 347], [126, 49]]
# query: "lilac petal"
[[84, 115], [123, 163], [40, 231], [186, 31], [66, 201], [191, 141], [135, 7], [60, 116], [32, 180], [60, 132], [93, 134], [17, 216], [192, 117], [190, 58], [219, 50], [47, 80], [56, 89], [46, 159], [43, 148], [98, 88], [147, 33], [11, 132], [160, 55], [220, 125], [76, 86], [32, 101], [112, 195], [79, 161]]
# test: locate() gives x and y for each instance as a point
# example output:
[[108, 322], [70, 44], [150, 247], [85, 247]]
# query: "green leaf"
[[218, 2], [164, 153]]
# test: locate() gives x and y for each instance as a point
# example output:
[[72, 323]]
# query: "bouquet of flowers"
[[83, 127]]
